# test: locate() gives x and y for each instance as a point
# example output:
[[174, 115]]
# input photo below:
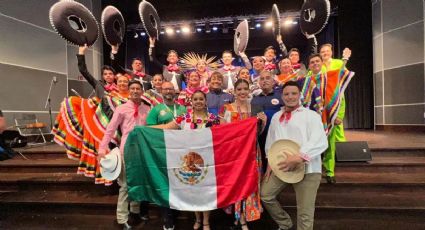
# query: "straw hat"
[[278, 153]]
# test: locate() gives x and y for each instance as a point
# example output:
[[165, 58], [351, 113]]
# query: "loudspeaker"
[[352, 151]]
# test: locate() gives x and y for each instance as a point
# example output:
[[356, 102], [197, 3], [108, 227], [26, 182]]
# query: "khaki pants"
[[122, 204], [305, 192]]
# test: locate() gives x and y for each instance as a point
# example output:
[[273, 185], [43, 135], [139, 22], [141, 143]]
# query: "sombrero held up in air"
[[74, 22], [113, 25], [240, 40]]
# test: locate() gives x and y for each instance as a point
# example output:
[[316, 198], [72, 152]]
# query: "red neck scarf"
[[173, 68], [136, 110], [270, 66], [139, 74], [296, 66], [286, 115], [228, 67], [111, 87]]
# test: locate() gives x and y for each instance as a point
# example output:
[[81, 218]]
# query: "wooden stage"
[[386, 193]]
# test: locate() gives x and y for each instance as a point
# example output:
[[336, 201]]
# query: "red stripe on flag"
[[235, 158]]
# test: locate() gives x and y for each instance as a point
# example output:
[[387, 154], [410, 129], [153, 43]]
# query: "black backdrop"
[[351, 27]]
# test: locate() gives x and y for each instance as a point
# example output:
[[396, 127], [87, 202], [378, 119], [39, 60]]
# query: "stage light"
[[289, 22], [136, 35], [185, 29], [215, 28], [258, 25], [143, 33], [269, 23], [162, 32], [169, 31], [199, 29], [178, 31]]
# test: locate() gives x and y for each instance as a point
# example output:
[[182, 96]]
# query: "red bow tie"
[[228, 68], [173, 68], [296, 66], [140, 74], [111, 87], [270, 66]]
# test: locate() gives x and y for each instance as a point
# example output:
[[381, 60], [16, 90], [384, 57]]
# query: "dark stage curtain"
[[357, 35]]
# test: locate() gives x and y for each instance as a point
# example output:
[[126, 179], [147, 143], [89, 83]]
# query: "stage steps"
[[387, 193]]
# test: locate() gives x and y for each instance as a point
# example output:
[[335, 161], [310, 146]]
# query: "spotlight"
[[215, 28], [169, 31], [178, 31], [269, 23], [162, 32], [136, 35], [143, 33], [294, 22], [288, 22], [199, 29], [185, 29], [258, 25]]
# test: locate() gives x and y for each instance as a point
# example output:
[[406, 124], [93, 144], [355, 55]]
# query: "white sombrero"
[[110, 165]]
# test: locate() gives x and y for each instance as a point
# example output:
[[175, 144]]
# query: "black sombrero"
[[150, 19], [314, 16], [240, 40], [74, 22], [113, 25], [275, 20]]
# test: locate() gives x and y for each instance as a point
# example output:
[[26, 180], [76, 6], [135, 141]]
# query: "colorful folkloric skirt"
[[80, 127]]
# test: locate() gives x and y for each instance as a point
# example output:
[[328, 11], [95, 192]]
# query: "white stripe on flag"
[[202, 194]]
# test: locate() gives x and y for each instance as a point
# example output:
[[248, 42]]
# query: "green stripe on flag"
[[147, 183]]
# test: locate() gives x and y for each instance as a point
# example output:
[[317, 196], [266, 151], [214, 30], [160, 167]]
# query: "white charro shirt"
[[305, 128]]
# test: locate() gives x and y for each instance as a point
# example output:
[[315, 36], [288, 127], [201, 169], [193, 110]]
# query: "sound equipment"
[[352, 151], [13, 139]]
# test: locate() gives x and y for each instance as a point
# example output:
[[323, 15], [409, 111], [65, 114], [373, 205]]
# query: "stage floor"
[[388, 140], [375, 139]]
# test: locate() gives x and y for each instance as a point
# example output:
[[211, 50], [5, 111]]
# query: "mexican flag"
[[192, 170]]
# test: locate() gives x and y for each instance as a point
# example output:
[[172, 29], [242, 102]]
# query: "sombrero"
[[314, 16], [74, 22], [110, 165], [278, 153], [113, 25], [276, 20], [150, 19], [240, 40]]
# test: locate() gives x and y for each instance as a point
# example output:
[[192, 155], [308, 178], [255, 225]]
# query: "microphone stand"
[[48, 100]]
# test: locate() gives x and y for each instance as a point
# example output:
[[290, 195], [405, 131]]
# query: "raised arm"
[[152, 53], [245, 60], [82, 67], [282, 46], [114, 63]]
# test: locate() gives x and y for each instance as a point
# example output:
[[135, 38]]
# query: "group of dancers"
[[291, 101]]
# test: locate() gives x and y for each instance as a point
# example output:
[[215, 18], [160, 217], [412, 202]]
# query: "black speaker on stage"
[[352, 151]]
